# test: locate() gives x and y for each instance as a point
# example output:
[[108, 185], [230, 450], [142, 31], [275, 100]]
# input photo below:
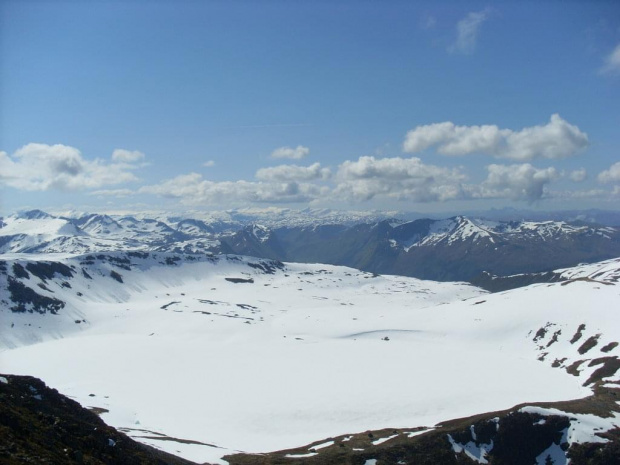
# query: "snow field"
[[264, 366]]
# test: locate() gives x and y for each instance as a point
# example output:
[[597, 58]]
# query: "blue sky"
[[415, 106]]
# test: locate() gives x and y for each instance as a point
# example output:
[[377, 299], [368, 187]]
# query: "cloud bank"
[[42, 167], [397, 178], [554, 140], [192, 189]]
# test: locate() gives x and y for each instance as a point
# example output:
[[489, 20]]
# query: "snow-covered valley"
[[204, 356]]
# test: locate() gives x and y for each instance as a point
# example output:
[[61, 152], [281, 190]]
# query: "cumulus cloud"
[[296, 153], [192, 189], [42, 167], [612, 62], [208, 164], [579, 175], [610, 175], [285, 173], [127, 156], [516, 182], [361, 180], [356, 181], [397, 178], [554, 140], [467, 30]]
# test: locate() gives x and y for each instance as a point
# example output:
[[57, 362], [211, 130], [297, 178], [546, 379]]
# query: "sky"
[[391, 105]]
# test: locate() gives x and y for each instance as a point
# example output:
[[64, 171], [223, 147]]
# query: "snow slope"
[[235, 353]]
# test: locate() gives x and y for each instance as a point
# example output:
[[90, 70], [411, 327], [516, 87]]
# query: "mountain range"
[[452, 249]]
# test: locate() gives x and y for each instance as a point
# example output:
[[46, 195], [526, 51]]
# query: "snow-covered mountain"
[[462, 229], [457, 248], [205, 356], [38, 232]]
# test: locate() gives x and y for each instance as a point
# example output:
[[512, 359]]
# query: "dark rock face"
[[25, 299], [40, 426], [47, 270]]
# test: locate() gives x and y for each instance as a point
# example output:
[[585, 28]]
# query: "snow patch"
[[583, 427], [473, 451], [554, 452], [382, 440], [322, 445]]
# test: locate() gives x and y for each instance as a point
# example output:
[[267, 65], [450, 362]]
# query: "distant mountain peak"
[[33, 215]]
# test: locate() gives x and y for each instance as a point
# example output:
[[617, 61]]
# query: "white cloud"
[[467, 30], [612, 62], [209, 164], [579, 175], [410, 179], [557, 139], [296, 153], [192, 189], [610, 175], [516, 182], [397, 178], [362, 180], [127, 156], [42, 167], [287, 173]]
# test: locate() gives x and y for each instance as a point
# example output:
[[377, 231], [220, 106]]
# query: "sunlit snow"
[[279, 360]]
